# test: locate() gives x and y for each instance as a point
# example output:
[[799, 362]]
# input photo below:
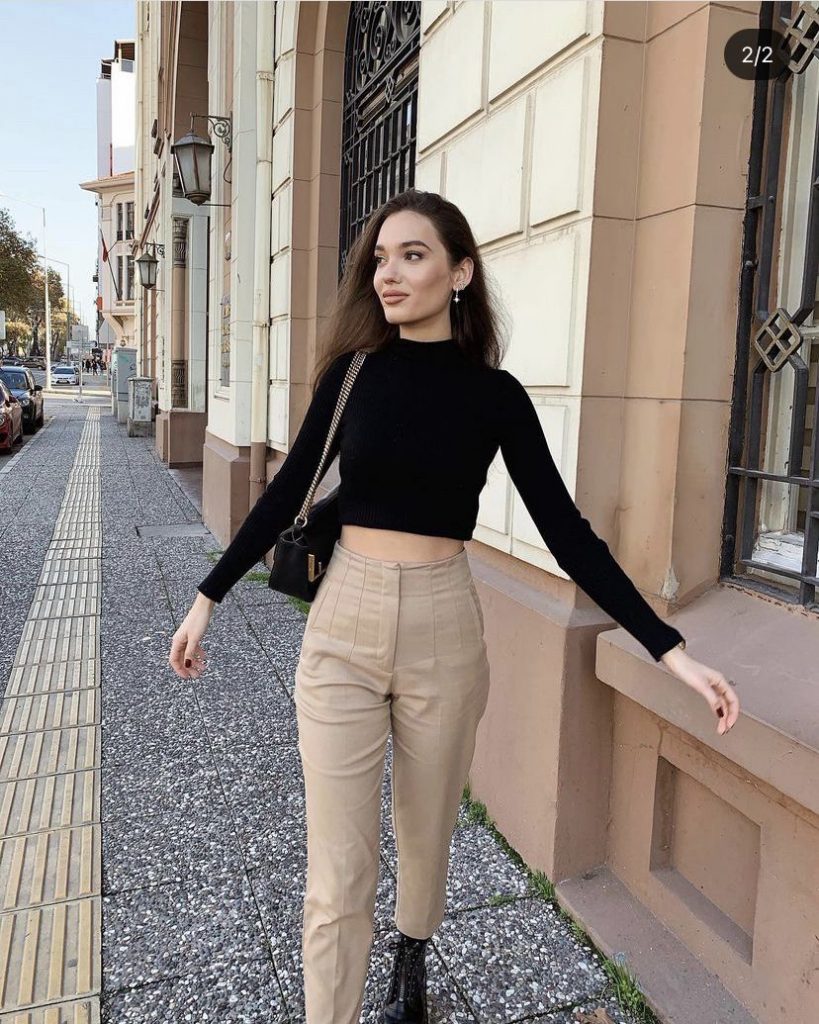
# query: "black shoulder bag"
[[302, 552]]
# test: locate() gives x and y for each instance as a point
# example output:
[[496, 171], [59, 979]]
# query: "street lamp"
[[147, 264], [192, 156], [45, 275], [69, 315]]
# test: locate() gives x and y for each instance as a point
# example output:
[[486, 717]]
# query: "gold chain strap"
[[349, 378]]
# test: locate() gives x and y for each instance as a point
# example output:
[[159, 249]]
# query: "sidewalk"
[[195, 907]]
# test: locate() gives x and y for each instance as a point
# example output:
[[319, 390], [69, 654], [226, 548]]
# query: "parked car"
[[11, 361], [11, 419], [63, 375], [35, 362], [20, 382]]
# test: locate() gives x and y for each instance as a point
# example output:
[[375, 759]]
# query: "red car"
[[11, 419]]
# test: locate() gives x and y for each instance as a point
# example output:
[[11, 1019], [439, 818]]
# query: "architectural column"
[[179, 363], [152, 368]]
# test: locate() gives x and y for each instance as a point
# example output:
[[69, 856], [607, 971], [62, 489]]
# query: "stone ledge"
[[770, 651], [678, 987]]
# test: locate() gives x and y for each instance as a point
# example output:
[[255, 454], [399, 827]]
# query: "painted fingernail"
[[188, 665], [719, 712]]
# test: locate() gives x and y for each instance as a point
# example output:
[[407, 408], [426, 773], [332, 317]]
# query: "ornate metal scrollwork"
[[379, 31], [777, 339], [802, 36], [380, 110]]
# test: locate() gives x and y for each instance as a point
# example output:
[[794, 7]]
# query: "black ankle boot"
[[407, 996]]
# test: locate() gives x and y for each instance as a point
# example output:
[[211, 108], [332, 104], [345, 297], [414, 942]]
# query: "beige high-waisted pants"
[[395, 646]]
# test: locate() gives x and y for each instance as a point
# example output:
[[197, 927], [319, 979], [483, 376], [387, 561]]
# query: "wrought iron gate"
[[380, 111], [770, 339]]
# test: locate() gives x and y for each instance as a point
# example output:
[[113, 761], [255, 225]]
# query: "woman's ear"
[[465, 268]]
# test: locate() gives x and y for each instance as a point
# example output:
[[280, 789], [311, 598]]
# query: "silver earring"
[[457, 296]]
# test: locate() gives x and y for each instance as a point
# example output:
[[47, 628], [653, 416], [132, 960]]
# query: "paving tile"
[[517, 960], [161, 932], [57, 710], [80, 1011], [156, 786], [47, 867], [50, 801], [49, 953], [198, 843], [243, 992], [23, 755], [52, 676]]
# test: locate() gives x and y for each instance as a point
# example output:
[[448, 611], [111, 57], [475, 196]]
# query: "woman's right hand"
[[187, 657]]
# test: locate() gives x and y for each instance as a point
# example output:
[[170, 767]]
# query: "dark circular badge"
[[756, 53]]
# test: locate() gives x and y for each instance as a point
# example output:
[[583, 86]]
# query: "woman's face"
[[418, 271]]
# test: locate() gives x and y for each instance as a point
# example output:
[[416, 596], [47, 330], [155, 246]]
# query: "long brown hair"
[[356, 319]]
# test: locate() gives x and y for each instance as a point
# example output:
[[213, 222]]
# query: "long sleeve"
[[277, 506], [578, 550]]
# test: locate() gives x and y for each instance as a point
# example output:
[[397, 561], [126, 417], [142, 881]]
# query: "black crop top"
[[420, 428]]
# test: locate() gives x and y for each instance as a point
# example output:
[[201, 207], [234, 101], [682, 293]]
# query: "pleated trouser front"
[[388, 646]]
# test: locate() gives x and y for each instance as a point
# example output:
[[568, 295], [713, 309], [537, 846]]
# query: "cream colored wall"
[[283, 186], [229, 407], [510, 139], [147, 92]]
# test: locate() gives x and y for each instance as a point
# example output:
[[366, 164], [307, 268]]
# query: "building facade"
[[649, 220], [114, 186]]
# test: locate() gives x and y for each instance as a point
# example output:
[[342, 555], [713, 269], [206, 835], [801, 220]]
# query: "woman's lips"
[[394, 298]]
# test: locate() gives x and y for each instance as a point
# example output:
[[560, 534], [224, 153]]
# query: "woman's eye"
[[420, 255]]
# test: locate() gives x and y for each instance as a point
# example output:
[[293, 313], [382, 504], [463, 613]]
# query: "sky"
[[49, 68]]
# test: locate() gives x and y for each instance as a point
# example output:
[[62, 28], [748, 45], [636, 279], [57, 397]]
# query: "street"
[[153, 853]]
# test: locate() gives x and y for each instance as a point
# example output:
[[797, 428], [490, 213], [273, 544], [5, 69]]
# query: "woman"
[[394, 638]]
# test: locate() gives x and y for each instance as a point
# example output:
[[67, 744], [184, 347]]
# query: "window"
[[119, 222], [771, 527], [129, 220], [129, 289], [120, 275], [379, 117]]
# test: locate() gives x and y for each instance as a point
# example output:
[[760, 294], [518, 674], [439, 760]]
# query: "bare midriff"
[[396, 545]]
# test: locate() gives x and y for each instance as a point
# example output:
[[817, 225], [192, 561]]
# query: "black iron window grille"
[[379, 113], [771, 525]]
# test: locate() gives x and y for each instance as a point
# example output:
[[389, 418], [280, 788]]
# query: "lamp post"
[[68, 316], [47, 302]]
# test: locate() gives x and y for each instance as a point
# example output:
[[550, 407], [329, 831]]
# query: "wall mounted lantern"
[[148, 263], [193, 155]]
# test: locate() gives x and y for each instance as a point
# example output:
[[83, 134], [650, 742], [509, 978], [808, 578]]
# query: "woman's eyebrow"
[[403, 245]]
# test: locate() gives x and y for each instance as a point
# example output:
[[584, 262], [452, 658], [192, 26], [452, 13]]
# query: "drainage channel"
[[50, 842]]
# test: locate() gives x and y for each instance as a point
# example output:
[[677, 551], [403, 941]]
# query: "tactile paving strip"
[[50, 711], [63, 600], [50, 841], [84, 1011], [48, 676], [49, 801], [44, 753], [51, 953], [48, 867], [57, 571], [74, 639]]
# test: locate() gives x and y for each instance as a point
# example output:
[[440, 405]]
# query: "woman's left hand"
[[707, 681]]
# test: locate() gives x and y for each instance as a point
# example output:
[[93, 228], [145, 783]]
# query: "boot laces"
[[408, 954]]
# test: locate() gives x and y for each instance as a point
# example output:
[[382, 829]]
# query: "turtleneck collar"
[[445, 345]]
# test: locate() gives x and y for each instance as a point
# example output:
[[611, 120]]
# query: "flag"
[[104, 248]]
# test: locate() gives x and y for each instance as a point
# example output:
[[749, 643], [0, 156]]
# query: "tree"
[[18, 260]]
